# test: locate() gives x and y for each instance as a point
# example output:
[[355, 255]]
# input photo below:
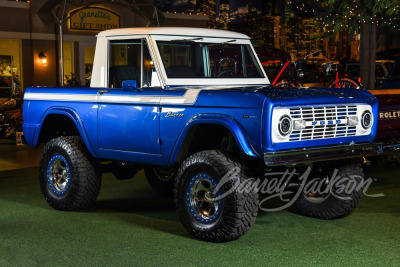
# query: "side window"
[[131, 60]]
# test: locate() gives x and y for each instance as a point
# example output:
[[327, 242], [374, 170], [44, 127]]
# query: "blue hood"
[[256, 96], [306, 95]]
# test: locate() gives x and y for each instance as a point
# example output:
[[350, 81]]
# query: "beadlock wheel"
[[58, 175], [203, 198]]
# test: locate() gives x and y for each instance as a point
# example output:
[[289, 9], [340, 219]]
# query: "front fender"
[[73, 115], [211, 118]]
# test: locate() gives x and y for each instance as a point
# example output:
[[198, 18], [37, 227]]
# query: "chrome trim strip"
[[60, 97], [190, 97], [105, 98]]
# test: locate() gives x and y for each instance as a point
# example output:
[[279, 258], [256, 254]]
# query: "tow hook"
[[366, 161]]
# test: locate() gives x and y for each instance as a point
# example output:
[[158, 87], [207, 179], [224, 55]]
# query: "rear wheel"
[[161, 179], [209, 204], [123, 171], [69, 177]]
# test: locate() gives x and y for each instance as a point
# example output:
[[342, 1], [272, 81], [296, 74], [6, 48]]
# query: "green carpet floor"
[[130, 225]]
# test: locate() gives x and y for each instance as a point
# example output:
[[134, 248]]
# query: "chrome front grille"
[[323, 113]]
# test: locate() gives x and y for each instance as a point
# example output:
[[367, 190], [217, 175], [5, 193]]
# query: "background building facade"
[[29, 36]]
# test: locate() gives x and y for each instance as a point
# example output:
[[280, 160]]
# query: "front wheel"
[[208, 198], [69, 178], [331, 192]]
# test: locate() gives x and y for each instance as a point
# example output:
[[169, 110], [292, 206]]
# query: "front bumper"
[[308, 155]]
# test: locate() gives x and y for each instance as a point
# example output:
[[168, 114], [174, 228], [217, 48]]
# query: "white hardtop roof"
[[181, 31]]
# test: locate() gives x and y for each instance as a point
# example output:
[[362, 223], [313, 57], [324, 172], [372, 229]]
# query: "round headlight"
[[366, 119], [285, 125]]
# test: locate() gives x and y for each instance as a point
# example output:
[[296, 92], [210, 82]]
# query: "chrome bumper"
[[308, 155]]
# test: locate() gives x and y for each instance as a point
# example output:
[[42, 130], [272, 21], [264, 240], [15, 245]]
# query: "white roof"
[[183, 31]]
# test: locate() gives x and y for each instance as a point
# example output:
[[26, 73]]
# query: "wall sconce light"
[[42, 57]]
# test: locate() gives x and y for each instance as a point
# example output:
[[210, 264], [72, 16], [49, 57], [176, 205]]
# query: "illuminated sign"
[[93, 19], [389, 115]]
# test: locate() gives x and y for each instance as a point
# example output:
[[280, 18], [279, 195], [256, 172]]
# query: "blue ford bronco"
[[189, 106]]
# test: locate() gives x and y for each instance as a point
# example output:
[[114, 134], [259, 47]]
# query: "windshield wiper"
[[230, 41], [188, 40]]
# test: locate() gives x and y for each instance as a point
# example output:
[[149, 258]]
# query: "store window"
[[89, 57], [10, 67], [69, 75]]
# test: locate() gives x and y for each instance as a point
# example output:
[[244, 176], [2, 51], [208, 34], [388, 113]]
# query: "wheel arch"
[[224, 122], [65, 118]]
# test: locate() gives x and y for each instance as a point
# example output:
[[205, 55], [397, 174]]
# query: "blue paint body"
[[152, 131]]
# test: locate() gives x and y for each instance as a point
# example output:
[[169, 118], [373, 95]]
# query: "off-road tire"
[[237, 210], [84, 179], [161, 179], [339, 203]]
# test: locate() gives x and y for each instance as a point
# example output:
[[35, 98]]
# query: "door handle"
[[100, 92]]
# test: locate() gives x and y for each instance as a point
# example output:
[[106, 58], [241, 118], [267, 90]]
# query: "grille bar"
[[323, 113]]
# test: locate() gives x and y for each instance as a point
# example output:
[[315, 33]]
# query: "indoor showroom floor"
[[130, 225]]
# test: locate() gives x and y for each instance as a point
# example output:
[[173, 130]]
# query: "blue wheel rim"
[[203, 198], [58, 175]]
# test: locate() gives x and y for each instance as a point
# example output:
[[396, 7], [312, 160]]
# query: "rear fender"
[[76, 119]]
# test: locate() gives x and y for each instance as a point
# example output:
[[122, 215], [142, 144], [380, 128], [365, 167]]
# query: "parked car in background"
[[387, 91], [382, 68], [392, 79]]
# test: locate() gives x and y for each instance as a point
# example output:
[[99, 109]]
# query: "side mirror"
[[130, 85]]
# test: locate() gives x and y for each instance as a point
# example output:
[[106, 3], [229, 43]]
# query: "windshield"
[[188, 59]]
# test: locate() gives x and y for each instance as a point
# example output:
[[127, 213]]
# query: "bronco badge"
[[170, 114]]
